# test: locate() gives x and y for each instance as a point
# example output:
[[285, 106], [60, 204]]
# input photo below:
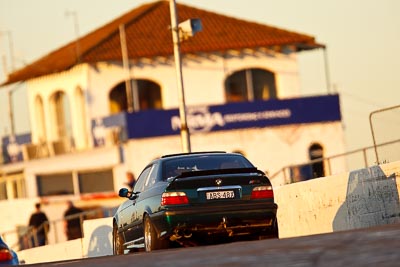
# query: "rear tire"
[[275, 229], [118, 248], [151, 241], [272, 232]]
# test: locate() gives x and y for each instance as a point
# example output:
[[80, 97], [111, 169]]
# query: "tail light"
[[5, 255], [174, 198], [260, 192]]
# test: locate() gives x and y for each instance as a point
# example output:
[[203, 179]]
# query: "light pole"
[[13, 148], [11, 48], [76, 27], [125, 63], [328, 81], [185, 135]]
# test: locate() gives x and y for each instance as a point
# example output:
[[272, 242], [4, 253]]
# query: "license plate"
[[220, 194]]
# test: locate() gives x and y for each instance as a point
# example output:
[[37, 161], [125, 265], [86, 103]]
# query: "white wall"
[[45, 87]]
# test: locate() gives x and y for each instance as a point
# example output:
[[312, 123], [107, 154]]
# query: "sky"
[[362, 39]]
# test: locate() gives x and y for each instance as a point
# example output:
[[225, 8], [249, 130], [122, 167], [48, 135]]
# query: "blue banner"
[[201, 119]]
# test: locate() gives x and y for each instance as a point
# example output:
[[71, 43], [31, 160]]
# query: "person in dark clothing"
[[39, 223], [130, 180], [73, 227]]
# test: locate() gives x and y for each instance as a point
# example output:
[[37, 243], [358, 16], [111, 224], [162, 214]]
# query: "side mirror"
[[123, 192]]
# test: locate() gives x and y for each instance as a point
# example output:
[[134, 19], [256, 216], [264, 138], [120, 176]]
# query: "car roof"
[[193, 153], [190, 154]]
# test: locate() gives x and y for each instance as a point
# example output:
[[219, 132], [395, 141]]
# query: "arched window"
[[316, 152], [117, 98], [40, 120], [149, 96], [250, 85], [61, 116]]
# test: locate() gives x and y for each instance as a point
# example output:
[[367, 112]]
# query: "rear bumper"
[[243, 218]]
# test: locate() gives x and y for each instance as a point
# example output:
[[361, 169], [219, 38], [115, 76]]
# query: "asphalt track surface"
[[377, 246]]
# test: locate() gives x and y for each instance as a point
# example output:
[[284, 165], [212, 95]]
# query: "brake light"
[[262, 192], [174, 198], [5, 255]]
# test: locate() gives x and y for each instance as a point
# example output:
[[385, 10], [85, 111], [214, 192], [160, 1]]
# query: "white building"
[[242, 93]]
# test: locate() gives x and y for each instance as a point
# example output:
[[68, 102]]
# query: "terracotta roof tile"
[[148, 35]]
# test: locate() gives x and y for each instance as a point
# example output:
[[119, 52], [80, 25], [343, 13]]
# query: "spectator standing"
[[39, 223], [73, 227], [130, 180]]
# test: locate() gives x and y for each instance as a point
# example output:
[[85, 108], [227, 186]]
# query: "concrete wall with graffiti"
[[358, 199]]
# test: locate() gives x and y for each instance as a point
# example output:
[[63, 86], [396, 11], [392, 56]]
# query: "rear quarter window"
[[140, 184]]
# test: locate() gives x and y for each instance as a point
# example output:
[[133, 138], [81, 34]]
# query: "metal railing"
[[352, 160], [26, 237], [389, 116]]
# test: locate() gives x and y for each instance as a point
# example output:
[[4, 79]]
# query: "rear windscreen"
[[174, 167]]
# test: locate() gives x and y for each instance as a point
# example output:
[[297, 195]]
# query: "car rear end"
[[228, 202]]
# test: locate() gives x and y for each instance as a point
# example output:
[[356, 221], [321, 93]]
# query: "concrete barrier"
[[58, 252], [97, 241], [358, 199]]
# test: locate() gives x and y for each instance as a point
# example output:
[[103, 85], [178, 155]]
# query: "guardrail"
[[355, 159]]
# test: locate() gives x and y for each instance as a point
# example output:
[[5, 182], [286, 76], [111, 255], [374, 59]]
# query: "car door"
[[133, 211], [124, 216], [144, 200]]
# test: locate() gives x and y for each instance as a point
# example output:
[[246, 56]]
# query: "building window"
[[118, 101], [316, 152], [55, 184], [75, 183], [149, 94], [12, 186], [250, 85], [96, 181]]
